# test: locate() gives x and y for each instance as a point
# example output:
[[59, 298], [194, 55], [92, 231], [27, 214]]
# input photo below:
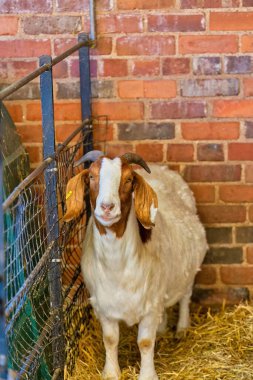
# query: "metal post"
[[3, 349], [51, 206], [85, 87]]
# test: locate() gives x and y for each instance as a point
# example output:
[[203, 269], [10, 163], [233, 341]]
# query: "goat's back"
[[178, 238]]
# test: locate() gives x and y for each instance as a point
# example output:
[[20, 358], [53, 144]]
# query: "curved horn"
[[93, 155], [133, 158]]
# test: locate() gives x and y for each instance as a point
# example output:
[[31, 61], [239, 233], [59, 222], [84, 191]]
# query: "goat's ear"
[[145, 202], [75, 196]]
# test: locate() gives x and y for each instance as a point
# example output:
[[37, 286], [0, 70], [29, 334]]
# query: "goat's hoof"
[[111, 374], [181, 334], [152, 376]]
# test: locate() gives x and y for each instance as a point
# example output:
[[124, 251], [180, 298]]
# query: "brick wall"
[[175, 79]]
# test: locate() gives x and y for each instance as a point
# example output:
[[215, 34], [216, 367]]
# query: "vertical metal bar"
[[3, 349], [92, 21], [85, 87], [51, 206]]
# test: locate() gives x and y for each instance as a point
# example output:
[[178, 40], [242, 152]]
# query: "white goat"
[[133, 269]]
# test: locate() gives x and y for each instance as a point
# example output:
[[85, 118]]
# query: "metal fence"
[[45, 298]]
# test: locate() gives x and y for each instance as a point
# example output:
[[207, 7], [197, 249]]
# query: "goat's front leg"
[[146, 343], [111, 340]]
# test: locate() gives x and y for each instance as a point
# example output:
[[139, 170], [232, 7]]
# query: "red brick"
[[131, 89], [113, 68], [62, 44], [74, 68], [145, 68], [204, 193], [102, 132], [207, 65], [218, 296], [24, 48], [8, 25], [208, 44], [190, 4], [3, 70], [145, 45], [175, 66], [33, 111], [67, 111], [233, 108], [119, 110], [35, 153], [249, 253], [160, 89], [103, 45], [62, 131], [19, 69], [249, 173], [24, 6], [248, 125], [211, 131], [210, 152], [114, 149], [52, 24], [62, 111], [240, 151], [236, 193], [60, 70], [222, 214], [145, 4], [81, 5], [212, 173], [210, 87], [235, 275], [30, 133], [241, 64], [180, 152], [206, 276], [251, 213], [150, 152], [178, 110], [238, 21], [120, 23], [248, 86], [176, 23], [147, 89], [247, 43], [15, 111]]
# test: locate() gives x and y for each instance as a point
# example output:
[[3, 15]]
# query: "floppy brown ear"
[[145, 202], [75, 196]]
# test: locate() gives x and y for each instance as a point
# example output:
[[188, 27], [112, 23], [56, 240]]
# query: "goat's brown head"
[[112, 182]]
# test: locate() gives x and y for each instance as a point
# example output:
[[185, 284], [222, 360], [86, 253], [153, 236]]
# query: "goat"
[[133, 268]]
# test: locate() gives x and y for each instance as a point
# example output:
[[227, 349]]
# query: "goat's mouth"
[[107, 220]]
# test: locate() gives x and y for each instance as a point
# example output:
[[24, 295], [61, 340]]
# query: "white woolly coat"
[[128, 279]]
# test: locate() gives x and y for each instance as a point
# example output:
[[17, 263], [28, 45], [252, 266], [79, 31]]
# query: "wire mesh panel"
[[28, 317], [29, 271]]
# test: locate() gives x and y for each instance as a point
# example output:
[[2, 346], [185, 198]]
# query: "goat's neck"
[[110, 243]]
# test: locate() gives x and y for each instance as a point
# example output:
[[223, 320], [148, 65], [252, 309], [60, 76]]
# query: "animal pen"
[[44, 294]]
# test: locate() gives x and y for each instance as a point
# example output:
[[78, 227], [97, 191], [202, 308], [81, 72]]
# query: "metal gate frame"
[[49, 167]]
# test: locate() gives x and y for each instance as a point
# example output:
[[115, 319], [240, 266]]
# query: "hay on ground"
[[217, 346]]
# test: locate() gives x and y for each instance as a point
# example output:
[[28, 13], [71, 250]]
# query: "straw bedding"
[[217, 346]]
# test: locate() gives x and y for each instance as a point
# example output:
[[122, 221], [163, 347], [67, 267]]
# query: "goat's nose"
[[107, 206]]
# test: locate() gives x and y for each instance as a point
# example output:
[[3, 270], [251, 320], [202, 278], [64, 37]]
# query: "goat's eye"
[[128, 180], [91, 177]]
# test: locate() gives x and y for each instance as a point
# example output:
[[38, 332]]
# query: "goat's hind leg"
[[184, 312], [111, 340]]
